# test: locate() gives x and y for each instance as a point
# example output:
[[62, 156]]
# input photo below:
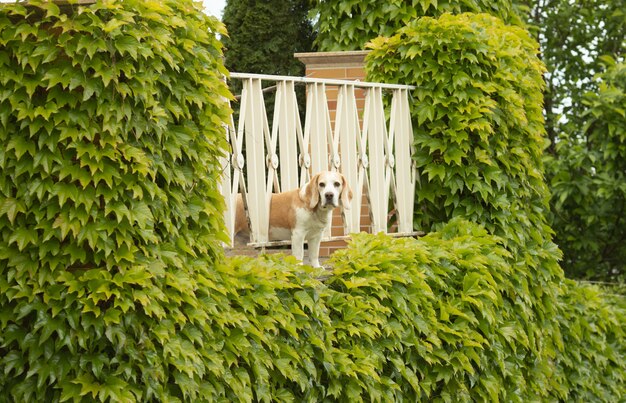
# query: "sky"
[[214, 7]]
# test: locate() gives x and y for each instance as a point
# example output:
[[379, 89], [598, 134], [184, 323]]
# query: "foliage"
[[404, 319], [574, 35], [433, 319], [349, 25], [478, 137], [441, 319], [264, 35], [589, 184], [113, 287], [577, 39], [594, 326], [111, 127], [478, 144]]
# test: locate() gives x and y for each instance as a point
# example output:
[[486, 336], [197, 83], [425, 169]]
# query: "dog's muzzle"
[[329, 199]]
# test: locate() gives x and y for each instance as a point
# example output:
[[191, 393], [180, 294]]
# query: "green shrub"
[[439, 319], [425, 319], [479, 124], [111, 127], [349, 25], [592, 330], [433, 319], [478, 129], [479, 140]]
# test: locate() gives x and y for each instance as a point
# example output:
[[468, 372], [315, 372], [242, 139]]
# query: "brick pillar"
[[349, 65]]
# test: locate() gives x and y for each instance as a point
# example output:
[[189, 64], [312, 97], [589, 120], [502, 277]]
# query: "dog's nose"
[[329, 195]]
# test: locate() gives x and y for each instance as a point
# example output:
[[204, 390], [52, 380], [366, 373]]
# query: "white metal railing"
[[373, 153]]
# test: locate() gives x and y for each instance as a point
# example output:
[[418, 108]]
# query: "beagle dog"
[[303, 214]]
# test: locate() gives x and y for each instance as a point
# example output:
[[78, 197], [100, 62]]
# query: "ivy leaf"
[[425, 112], [11, 207], [127, 45]]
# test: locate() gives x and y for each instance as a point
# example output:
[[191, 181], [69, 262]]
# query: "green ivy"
[[111, 127], [425, 319], [479, 140], [479, 126], [592, 331], [434, 319], [349, 25], [440, 319], [113, 286]]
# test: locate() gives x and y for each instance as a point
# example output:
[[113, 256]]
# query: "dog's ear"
[[309, 193], [346, 193]]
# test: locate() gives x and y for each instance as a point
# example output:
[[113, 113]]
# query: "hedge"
[[479, 139], [432, 319], [479, 134], [110, 218], [439, 319], [113, 286]]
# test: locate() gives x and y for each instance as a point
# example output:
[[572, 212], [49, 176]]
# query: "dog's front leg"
[[314, 250], [297, 245]]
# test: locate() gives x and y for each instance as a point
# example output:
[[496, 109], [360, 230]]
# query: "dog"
[[303, 214]]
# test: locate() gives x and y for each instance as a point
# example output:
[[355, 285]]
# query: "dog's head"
[[327, 189]]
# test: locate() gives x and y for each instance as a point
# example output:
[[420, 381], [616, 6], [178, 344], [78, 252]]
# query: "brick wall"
[[344, 66]]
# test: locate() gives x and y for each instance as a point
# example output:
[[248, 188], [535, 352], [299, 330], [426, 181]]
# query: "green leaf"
[[23, 237], [425, 112], [11, 207], [126, 45]]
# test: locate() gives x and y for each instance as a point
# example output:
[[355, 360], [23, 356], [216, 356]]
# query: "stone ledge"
[[354, 58]]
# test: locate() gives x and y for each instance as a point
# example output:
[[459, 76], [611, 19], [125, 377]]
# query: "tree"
[[574, 35], [263, 35], [349, 25], [579, 40], [589, 183]]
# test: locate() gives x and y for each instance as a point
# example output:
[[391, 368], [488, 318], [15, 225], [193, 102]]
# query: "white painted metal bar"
[[320, 125], [226, 179], [271, 141], [233, 180], [405, 168], [304, 158], [363, 167], [320, 135], [288, 128], [225, 189], [254, 122], [377, 137], [326, 81], [348, 134]]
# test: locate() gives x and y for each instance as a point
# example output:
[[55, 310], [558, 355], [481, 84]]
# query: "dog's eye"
[[322, 184], [337, 184]]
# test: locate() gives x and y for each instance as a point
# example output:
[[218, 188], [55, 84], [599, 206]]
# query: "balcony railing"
[[369, 142]]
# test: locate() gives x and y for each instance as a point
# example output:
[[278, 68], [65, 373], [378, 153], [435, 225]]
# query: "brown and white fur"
[[303, 214]]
